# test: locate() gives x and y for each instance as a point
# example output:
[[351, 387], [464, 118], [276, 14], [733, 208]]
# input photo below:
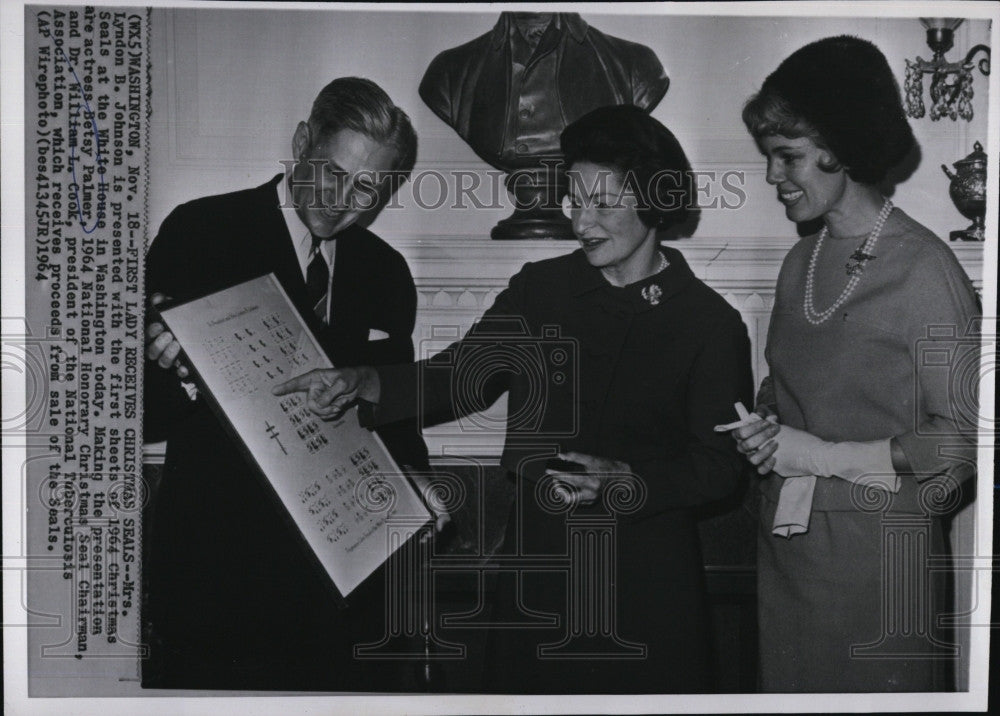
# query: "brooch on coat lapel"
[[652, 294]]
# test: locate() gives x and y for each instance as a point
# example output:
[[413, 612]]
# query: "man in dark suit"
[[234, 600]]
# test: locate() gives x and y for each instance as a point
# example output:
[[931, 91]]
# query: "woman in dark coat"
[[620, 362]]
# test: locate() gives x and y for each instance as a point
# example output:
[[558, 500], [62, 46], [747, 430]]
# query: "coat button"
[[522, 148], [524, 113]]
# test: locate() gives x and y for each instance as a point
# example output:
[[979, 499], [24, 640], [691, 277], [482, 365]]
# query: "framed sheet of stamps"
[[338, 483]]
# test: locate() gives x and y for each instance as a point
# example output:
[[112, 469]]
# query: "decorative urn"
[[968, 191]]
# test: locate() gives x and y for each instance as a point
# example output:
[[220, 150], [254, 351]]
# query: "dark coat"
[[233, 598], [641, 383], [575, 69]]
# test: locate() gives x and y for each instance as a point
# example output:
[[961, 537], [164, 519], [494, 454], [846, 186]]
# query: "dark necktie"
[[318, 281]]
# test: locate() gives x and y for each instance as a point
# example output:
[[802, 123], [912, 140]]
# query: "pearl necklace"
[[854, 270]]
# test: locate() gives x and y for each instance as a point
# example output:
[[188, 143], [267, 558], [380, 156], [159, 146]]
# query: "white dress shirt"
[[302, 243]]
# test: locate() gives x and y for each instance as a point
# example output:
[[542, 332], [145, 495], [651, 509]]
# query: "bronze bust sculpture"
[[511, 92]]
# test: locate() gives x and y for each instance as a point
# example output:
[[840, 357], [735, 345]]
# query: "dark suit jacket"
[[601, 370], [469, 87], [234, 600]]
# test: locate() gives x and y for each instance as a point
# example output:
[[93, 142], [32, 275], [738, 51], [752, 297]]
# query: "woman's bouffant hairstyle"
[[647, 154], [361, 105], [841, 93]]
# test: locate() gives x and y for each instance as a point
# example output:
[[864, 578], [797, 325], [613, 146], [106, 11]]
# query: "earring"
[[567, 207]]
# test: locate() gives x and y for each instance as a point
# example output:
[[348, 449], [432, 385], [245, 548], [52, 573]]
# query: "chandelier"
[[951, 82]]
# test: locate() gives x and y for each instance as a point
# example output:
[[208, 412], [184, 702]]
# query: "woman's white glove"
[[801, 453]]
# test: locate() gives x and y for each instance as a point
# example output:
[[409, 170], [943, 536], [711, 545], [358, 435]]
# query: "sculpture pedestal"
[[538, 193]]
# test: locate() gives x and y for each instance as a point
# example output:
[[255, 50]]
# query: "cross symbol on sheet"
[[273, 433]]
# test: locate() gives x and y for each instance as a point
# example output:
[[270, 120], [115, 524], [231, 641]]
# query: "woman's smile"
[[789, 196]]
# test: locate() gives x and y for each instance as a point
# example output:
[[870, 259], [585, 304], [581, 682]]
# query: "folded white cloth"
[[374, 334], [794, 506]]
